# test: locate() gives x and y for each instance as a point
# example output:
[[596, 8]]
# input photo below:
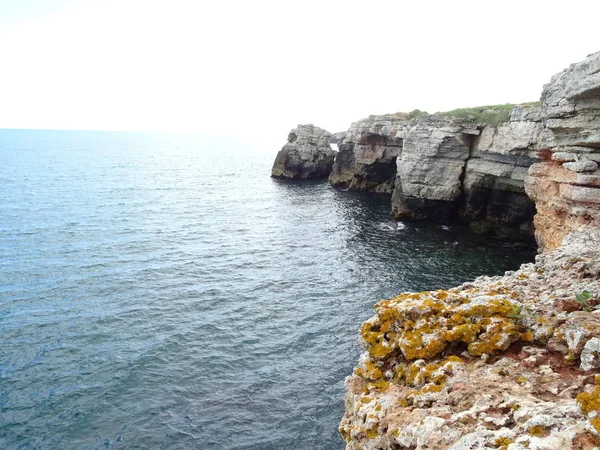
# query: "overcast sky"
[[258, 68]]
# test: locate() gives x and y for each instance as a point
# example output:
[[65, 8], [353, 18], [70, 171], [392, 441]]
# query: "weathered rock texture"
[[446, 167], [508, 362], [306, 155], [499, 363], [452, 168], [367, 153], [566, 185]]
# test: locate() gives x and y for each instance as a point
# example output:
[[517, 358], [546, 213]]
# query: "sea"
[[161, 291]]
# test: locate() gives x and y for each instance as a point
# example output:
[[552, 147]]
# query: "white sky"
[[257, 68]]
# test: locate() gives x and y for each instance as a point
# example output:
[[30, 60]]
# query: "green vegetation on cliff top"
[[490, 114]]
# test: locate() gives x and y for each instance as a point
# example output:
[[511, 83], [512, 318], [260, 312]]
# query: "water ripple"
[[163, 292]]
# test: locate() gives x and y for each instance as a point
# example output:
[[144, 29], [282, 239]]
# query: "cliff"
[[565, 186], [367, 153], [466, 165], [502, 362], [306, 155], [509, 362]]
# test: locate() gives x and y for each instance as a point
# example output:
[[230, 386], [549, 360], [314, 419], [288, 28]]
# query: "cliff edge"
[[509, 362]]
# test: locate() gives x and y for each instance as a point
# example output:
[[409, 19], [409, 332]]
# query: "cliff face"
[[509, 362], [367, 154], [566, 185], [454, 168], [446, 167], [307, 154]]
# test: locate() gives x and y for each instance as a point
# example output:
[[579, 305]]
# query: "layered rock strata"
[[566, 184], [452, 168], [306, 155], [508, 362], [367, 153], [445, 167]]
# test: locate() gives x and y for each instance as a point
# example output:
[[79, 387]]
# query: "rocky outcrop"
[[447, 166], [493, 186], [498, 363], [566, 184], [431, 168], [306, 155], [508, 362], [367, 153], [455, 168]]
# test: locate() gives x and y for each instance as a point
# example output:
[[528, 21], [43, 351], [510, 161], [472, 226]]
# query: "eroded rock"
[[565, 186], [500, 362], [307, 154], [368, 152]]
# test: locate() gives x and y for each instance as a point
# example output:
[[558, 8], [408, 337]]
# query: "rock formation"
[[566, 185], [447, 166], [509, 362], [306, 155], [499, 363], [367, 153]]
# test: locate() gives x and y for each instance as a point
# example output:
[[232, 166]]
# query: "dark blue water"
[[163, 291]]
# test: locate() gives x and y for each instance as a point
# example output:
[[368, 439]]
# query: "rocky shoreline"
[[510, 362]]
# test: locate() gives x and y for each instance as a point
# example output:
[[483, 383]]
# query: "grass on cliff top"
[[489, 114]]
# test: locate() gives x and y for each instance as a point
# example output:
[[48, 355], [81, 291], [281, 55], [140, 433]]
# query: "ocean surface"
[[163, 292]]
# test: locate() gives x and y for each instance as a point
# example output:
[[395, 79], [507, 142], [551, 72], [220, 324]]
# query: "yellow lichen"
[[502, 443], [596, 423], [590, 401], [372, 433], [421, 325], [539, 431]]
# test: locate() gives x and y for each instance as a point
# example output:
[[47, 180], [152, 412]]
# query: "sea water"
[[163, 292]]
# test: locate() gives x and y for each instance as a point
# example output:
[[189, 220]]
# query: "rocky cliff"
[[367, 153], [509, 362], [566, 185], [306, 155], [467, 165]]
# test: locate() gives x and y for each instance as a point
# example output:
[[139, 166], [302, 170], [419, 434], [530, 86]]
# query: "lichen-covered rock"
[[497, 363], [565, 186], [307, 154], [368, 152]]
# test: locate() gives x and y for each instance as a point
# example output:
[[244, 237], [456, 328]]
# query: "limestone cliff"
[[306, 155], [509, 362], [367, 153], [566, 185], [447, 166]]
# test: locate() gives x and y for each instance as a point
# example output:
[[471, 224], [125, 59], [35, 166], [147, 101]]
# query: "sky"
[[257, 68]]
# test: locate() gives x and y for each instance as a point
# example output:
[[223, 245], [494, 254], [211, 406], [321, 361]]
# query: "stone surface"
[[430, 168], [306, 155], [367, 153], [451, 168], [497, 363], [581, 166], [566, 194]]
